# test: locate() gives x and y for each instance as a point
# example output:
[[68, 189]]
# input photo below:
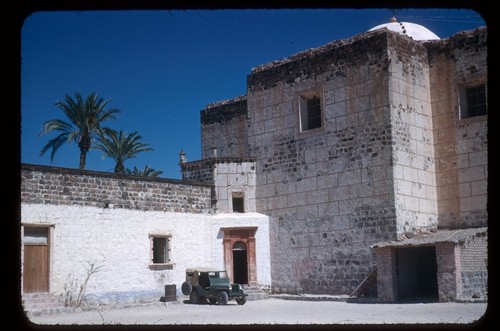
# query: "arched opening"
[[240, 254], [240, 263]]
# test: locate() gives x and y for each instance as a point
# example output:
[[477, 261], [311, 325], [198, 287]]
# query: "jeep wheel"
[[186, 288], [222, 298], [241, 301], [194, 298]]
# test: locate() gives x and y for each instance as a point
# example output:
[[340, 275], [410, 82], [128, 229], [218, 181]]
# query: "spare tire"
[[186, 288]]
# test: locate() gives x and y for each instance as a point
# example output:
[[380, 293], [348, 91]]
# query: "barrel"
[[170, 293]]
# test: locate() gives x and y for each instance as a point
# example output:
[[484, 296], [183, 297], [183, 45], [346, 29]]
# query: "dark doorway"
[[417, 274], [240, 263]]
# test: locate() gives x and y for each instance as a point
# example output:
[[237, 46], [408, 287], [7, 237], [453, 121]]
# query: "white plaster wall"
[[263, 256], [117, 241]]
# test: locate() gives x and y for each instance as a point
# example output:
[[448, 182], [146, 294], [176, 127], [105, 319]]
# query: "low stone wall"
[[61, 186]]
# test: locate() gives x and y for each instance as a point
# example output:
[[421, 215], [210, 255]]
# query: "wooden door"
[[36, 260]]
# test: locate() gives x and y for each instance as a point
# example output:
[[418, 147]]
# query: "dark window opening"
[[203, 280], [313, 113], [473, 101], [310, 113], [160, 250], [238, 206]]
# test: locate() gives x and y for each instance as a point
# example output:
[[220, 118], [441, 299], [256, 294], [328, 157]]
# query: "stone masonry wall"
[[474, 268], [199, 171], [412, 139], [461, 144], [237, 178], [58, 186], [448, 272], [224, 126], [329, 192], [386, 274]]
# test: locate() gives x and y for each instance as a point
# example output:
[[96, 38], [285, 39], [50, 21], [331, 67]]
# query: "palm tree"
[[84, 125], [121, 146], [146, 172]]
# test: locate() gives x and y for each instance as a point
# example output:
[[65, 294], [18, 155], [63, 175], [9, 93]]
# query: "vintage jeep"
[[211, 284]]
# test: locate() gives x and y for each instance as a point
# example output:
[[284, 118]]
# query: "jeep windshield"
[[217, 274]]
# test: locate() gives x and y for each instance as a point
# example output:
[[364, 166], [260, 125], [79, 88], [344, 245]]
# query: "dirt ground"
[[275, 312]]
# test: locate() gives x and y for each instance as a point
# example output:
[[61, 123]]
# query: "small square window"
[[310, 112], [473, 101], [238, 199], [160, 249]]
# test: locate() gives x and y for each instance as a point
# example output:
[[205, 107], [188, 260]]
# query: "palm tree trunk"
[[83, 159], [119, 168], [84, 145]]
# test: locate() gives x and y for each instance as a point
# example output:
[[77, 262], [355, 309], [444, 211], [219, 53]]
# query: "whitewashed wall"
[[262, 246], [117, 241]]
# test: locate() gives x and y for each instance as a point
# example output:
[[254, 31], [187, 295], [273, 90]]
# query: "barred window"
[[473, 101], [160, 249]]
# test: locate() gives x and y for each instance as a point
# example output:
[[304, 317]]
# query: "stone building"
[[359, 145], [359, 167], [131, 236]]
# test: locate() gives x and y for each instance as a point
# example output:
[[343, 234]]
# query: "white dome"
[[415, 31]]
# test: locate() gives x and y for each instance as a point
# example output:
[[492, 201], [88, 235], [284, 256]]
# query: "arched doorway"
[[240, 255], [240, 263]]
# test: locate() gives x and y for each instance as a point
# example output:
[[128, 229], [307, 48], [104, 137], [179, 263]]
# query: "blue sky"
[[161, 68]]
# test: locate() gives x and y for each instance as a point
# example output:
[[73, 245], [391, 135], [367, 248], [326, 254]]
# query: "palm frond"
[[146, 172], [121, 146], [85, 118]]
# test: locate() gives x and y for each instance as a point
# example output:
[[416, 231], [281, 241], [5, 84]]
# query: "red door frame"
[[246, 235]]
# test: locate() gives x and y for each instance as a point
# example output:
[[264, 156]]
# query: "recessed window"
[[160, 249], [473, 101], [238, 206], [310, 112]]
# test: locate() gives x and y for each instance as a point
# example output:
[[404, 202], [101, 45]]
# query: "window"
[[160, 249], [310, 112], [473, 101], [238, 199], [36, 235]]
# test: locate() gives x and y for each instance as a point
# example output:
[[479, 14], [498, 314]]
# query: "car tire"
[[222, 298], [241, 301], [186, 288], [194, 298]]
